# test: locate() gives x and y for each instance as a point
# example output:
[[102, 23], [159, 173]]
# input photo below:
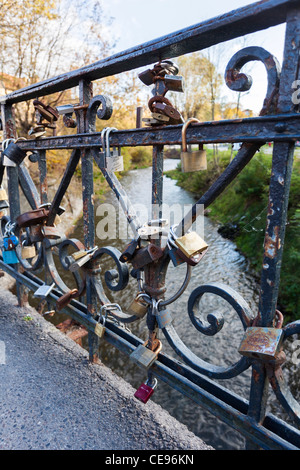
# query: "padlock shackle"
[[183, 132]]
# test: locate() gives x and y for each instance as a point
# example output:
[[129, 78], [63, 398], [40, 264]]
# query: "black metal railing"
[[262, 348]]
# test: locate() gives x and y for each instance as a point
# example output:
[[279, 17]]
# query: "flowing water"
[[222, 263]]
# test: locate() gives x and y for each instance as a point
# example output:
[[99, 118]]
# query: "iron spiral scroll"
[[151, 279]]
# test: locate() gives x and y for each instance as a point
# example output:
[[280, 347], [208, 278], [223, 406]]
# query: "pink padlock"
[[145, 391]]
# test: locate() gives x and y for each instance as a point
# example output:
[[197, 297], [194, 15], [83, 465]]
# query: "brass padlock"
[[138, 307], [191, 244], [261, 343], [192, 161], [144, 356], [28, 252], [100, 328]]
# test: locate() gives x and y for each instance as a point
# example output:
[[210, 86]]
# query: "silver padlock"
[[111, 161], [44, 290]]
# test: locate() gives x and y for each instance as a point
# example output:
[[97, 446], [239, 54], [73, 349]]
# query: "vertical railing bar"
[[87, 161], [10, 132], [282, 163]]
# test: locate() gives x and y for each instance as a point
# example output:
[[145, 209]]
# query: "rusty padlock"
[[65, 299], [261, 342], [146, 255], [34, 217], [191, 161], [51, 232]]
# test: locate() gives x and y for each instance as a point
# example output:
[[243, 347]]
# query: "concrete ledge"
[[52, 398]]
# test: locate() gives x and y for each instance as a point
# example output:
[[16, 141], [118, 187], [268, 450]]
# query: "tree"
[[43, 38]]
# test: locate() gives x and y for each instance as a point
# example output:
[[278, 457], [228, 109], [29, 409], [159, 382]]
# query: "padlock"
[[28, 252], [51, 232], [114, 160], [191, 161], [14, 153], [81, 258], [261, 343], [10, 242], [46, 111], [44, 290], [144, 356], [146, 255], [10, 257], [138, 307], [174, 83], [37, 131], [34, 217], [145, 391], [100, 328], [191, 244], [129, 251], [163, 318], [147, 77], [35, 233], [66, 298]]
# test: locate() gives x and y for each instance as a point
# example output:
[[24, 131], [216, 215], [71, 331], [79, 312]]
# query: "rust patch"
[[272, 244]]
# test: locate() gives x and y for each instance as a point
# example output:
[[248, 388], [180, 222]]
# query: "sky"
[[139, 21]]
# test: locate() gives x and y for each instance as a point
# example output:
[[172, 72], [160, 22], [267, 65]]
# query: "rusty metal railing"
[[262, 348]]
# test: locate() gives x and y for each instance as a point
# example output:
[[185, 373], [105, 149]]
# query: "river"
[[222, 263]]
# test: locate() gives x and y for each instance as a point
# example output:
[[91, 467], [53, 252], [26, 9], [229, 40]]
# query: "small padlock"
[[10, 242], [44, 290], [261, 343], [129, 251], [100, 328], [163, 318], [146, 255], [66, 298], [28, 252], [114, 160], [14, 153], [191, 244], [192, 161], [81, 258], [144, 356], [51, 232], [10, 257], [138, 307], [145, 391], [174, 83]]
